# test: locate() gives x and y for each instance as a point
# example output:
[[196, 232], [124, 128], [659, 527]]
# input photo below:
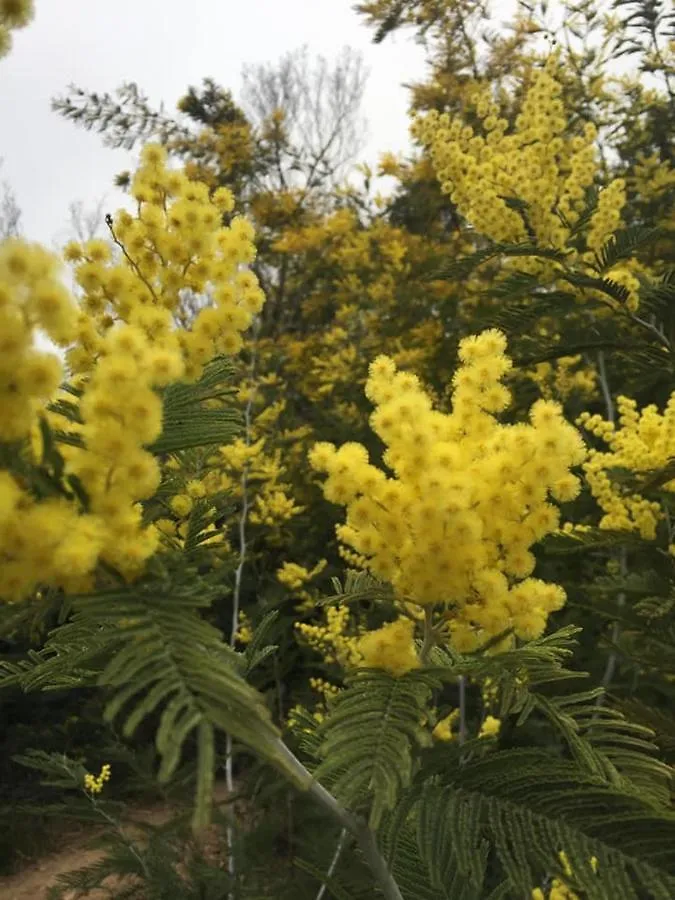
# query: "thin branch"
[[429, 637], [353, 824], [604, 384], [651, 327], [462, 709], [333, 863], [236, 597], [610, 668], [132, 263]]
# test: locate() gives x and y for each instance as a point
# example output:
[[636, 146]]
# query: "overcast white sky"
[[164, 46]]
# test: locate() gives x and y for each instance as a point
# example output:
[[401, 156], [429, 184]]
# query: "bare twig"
[[462, 709], [333, 863], [429, 637], [610, 668], [236, 596]]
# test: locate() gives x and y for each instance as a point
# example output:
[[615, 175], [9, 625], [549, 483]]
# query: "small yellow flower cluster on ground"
[[643, 441], [468, 499], [14, 14], [390, 647], [94, 783]]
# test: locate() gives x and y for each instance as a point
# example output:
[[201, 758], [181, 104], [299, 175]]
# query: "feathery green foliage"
[[369, 738]]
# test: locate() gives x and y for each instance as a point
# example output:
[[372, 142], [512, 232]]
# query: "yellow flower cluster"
[[273, 508], [271, 505], [14, 14], [294, 577], [490, 727], [244, 629], [623, 276], [538, 163], [567, 376], [175, 243], [125, 345], [326, 691], [607, 216], [559, 890], [468, 499], [643, 441], [188, 489], [651, 176], [332, 640], [324, 688], [390, 647], [94, 783], [32, 296], [443, 728]]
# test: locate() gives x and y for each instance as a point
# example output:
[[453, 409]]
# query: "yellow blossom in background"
[[538, 163], [244, 629], [93, 784], [566, 377], [294, 577], [642, 441], [181, 504], [468, 497], [335, 639], [543, 163], [490, 727], [443, 728]]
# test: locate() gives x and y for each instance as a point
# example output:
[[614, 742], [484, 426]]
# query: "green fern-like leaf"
[[369, 738], [358, 586], [187, 422], [159, 657], [465, 266], [624, 244], [529, 807], [608, 746]]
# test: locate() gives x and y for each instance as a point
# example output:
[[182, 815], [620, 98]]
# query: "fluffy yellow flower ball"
[[390, 648]]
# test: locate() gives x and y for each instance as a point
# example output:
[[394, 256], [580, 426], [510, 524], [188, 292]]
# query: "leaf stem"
[[355, 825], [429, 637]]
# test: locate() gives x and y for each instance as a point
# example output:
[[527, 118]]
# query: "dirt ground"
[[33, 882]]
